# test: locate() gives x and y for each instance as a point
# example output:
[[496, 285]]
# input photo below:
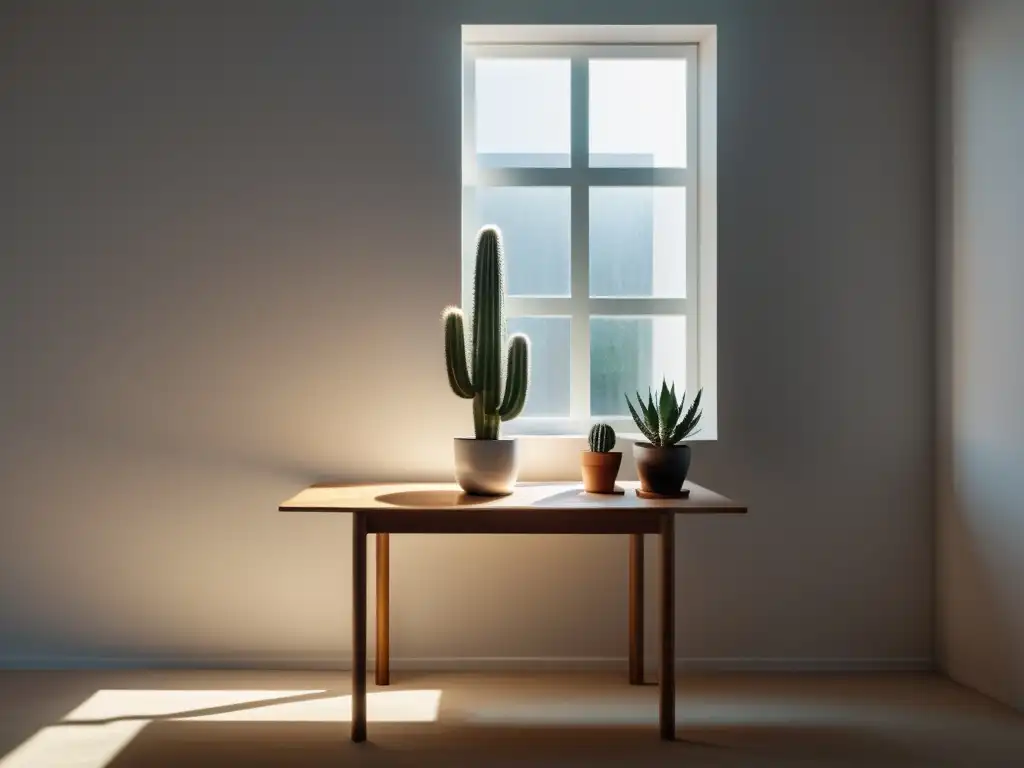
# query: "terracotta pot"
[[661, 470], [600, 470]]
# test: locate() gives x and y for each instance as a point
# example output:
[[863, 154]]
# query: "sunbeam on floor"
[[93, 733]]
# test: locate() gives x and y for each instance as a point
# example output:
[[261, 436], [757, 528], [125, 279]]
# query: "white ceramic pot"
[[486, 467]]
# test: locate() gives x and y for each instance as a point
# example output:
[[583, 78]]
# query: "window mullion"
[[692, 226], [469, 170], [597, 177], [579, 368], [538, 306]]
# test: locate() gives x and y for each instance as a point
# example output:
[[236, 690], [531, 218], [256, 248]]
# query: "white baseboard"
[[467, 664]]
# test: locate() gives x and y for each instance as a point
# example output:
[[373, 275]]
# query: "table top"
[[532, 508], [427, 497]]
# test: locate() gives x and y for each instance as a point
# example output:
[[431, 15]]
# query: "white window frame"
[[694, 44]]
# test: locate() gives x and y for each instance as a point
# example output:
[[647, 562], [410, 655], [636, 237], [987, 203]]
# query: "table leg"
[[636, 609], [667, 714], [382, 671], [359, 626]]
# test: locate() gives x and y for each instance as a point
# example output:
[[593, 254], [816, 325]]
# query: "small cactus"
[[601, 438]]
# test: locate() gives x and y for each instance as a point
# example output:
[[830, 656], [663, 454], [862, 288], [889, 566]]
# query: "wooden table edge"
[[721, 509]]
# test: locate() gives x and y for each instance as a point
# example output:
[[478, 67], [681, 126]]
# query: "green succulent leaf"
[[693, 409], [690, 420], [636, 418], [679, 433], [668, 413], [643, 407], [677, 409], [641, 423]]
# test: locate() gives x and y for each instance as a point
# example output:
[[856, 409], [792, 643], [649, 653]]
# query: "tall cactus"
[[484, 378]]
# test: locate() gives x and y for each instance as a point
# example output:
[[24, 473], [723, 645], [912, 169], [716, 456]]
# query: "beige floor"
[[184, 719]]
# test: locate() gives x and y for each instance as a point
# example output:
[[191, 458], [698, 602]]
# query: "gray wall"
[[981, 347], [228, 232]]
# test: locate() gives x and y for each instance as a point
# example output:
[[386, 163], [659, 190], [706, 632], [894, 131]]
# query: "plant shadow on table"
[[430, 499]]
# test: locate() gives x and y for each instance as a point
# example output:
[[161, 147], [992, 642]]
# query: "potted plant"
[[661, 463], [600, 464], [486, 464]]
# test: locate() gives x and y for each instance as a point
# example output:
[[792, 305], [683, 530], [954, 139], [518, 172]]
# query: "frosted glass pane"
[[638, 113], [633, 353], [549, 364], [534, 223], [522, 113], [638, 242]]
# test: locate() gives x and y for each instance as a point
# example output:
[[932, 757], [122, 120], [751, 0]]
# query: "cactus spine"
[[498, 388], [601, 438]]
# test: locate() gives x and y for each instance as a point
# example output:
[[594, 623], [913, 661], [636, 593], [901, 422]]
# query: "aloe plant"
[[601, 438], [660, 422], [498, 390]]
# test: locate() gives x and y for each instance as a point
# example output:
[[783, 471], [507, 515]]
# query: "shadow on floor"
[[164, 744], [133, 719]]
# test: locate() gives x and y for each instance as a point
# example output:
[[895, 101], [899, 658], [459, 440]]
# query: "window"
[[592, 149]]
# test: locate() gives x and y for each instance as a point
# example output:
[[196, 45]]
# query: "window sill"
[[631, 437], [573, 429]]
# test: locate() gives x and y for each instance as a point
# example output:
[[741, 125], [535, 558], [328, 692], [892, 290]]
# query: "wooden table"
[[533, 508]]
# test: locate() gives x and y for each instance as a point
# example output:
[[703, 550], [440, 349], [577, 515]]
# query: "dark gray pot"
[[661, 470]]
